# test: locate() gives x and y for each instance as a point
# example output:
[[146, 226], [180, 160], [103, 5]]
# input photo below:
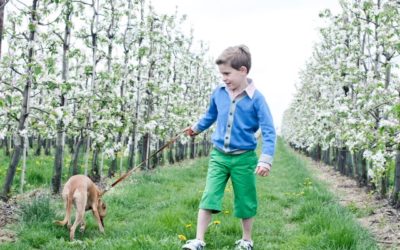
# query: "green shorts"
[[240, 168]]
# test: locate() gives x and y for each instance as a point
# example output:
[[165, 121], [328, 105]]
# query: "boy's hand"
[[189, 131], [263, 171]]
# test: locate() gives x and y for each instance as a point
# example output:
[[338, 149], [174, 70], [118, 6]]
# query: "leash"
[[124, 176]]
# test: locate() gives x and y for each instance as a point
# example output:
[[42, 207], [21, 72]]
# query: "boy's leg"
[[247, 225], [203, 219], [244, 185]]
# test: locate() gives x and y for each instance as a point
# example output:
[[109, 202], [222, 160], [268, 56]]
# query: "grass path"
[[151, 211]]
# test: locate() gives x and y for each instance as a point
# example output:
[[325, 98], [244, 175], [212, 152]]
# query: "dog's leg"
[[83, 225], [80, 204], [97, 216], [69, 209]]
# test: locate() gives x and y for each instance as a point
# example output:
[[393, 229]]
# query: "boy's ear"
[[243, 69]]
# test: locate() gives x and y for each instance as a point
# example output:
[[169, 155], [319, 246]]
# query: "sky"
[[279, 34]]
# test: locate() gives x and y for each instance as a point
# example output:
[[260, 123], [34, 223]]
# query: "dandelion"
[[182, 237], [188, 225], [226, 212], [216, 222]]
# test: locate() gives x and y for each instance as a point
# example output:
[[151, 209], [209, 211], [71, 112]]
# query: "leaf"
[[51, 85], [37, 69], [88, 70], [32, 27], [397, 46], [396, 110]]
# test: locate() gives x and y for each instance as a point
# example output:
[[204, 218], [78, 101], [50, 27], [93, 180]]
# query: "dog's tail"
[[68, 206]]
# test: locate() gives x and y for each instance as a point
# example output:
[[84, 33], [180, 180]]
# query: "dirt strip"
[[374, 214], [8, 214]]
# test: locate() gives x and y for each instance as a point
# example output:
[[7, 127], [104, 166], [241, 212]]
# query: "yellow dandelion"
[[216, 222], [182, 237], [188, 225], [226, 212]]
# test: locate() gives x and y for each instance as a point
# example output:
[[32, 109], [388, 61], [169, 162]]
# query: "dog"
[[85, 195]]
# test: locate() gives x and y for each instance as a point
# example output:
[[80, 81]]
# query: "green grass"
[[150, 210]]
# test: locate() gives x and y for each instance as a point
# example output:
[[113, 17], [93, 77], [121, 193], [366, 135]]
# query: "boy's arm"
[[206, 121], [268, 133]]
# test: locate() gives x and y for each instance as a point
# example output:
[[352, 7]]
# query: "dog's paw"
[[59, 222]]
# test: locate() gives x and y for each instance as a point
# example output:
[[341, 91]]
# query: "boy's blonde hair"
[[236, 57]]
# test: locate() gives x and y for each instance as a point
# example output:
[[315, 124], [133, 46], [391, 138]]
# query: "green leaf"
[[396, 110], [66, 86], [397, 46], [142, 51], [37, 69], [31, 27], [88, 70], [51, 85]]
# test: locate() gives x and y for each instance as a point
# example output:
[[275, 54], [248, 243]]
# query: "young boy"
[[240, 110]]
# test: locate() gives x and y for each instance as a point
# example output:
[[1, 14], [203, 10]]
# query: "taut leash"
[[124, 176]]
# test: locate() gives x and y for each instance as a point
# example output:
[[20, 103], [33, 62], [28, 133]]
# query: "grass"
[[158, 210]]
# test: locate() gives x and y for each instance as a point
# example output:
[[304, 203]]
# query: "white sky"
[[280, 35]]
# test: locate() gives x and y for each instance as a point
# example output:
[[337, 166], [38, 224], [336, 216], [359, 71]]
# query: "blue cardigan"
[[237, 122]]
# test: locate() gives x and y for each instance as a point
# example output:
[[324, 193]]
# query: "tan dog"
[[85, 195]]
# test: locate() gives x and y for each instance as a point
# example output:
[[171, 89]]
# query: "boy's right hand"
[[190, 132]]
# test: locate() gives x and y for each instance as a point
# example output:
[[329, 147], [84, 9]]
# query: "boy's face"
[[233, 78]]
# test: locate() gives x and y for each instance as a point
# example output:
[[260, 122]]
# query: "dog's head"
[[102, 209]]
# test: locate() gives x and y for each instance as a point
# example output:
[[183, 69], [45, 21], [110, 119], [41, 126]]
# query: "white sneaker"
[[194, 245], [244, 245]]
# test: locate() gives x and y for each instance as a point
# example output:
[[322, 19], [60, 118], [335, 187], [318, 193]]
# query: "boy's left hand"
[[262, 171]]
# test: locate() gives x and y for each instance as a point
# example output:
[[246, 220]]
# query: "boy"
[[240, 110]]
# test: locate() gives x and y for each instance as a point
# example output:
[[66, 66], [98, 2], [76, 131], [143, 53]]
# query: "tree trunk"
[[75, 158], [95, 171], [384, 184], [132, 151], [364, 171], [114, 163], [23, 171], [60, 141], [356, 169], [47, 147], [59, 159], [160, 157], [8, 146], [87, 152], [2, 5], [38, 151], [113, 168], [342, 160], [18, 139], [171, 159], [146, 151], [396, 191], [192, 147], [71, 142]]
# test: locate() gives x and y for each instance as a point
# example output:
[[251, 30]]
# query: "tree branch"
[[41, 110], [4, 4], [59, 36], [16, 71], [13, 87], [77, 1]]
